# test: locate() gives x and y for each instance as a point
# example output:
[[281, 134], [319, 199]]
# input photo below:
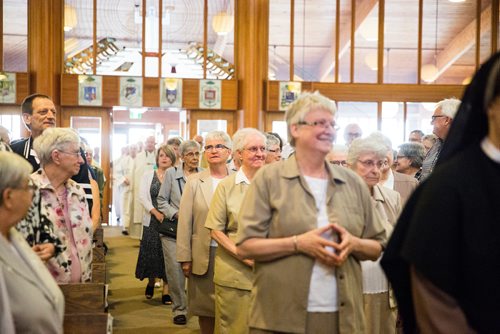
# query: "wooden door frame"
[[106, 130]]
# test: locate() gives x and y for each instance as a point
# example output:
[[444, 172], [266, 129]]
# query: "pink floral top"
[[74, 231]]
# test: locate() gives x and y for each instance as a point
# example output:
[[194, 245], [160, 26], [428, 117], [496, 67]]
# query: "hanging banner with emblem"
[[289, 91], [89, 90], [7, 87], [171, 93], [210, 94], [131, 91]]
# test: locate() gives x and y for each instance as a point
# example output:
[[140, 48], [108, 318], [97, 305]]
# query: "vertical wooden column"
[[45, 46], [251, 35]]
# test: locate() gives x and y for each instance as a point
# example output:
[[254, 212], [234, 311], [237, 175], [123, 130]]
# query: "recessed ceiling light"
[[456, 0]]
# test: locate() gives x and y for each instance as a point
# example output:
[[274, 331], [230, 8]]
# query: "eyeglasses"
[[323, 123], [192, 154], [371, 164], [401, 156], [29, 187], [75, 154], [217, 147], [254, 149], [339, 162], [433, 118], [274, 151]]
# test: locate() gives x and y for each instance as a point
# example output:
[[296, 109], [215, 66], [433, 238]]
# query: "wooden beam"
[[463, 42]]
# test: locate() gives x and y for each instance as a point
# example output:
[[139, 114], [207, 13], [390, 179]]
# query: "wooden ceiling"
[[448, 35]]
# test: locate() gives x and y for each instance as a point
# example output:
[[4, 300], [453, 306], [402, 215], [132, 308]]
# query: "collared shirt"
[[490, 150], [241, 177], [389, 183]]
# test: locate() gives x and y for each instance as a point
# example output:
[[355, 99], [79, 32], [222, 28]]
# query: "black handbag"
[[168, 227]]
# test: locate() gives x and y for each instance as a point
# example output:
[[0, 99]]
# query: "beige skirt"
[[201, 291]]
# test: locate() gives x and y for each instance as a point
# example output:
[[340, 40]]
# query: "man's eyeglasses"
[[255, 149], [433, 118], [217, 147], [323, 123], [371, 164], [192, 154], [75, 154]]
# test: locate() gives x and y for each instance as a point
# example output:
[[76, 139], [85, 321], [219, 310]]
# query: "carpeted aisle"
[[131, 311]]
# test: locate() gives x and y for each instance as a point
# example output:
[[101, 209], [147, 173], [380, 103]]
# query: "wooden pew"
[[86, 303]]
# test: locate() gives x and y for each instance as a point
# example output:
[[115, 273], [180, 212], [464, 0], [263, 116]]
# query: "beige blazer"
[[30, 300], [279, 204], [223, 216], [193, 238], [404, 185]]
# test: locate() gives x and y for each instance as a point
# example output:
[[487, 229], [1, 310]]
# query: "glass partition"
[[362, 113], [15, 35]]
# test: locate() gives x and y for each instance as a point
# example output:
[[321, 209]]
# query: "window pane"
[[366, 42], [279, 40], [78, 32], [362, 113], [314, 42], [418, 117], [220, 53], [393, 122], [182, 40], [15, 35], [401, 41]]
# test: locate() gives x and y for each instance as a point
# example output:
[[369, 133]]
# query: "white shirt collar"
[[389, 183], [490, 150], [241, 177]]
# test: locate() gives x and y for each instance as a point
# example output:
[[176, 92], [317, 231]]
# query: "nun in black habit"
[[443, 259]]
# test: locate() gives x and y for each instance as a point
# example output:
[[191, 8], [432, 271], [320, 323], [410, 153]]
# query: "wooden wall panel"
[[229, 95], [371, 92], [69, 90], [151, 92], [190, 93], [22, 87], [110, 91]]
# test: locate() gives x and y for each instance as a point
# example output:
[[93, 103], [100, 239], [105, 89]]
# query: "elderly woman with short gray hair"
[[410, 158], [307, 224], [62, 205], [195, 248], [233, 274], [169, 199], [31, 301], [366, 157]]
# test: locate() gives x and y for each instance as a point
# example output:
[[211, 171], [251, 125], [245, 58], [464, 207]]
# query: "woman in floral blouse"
[[60, 214]]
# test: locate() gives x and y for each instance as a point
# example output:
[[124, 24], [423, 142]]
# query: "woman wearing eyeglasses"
[[61, 208], [169, 198], [307, 224], [30, 300], [233, 274], [195, 248], [366, 157]]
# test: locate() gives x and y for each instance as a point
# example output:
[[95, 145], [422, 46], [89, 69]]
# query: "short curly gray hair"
[[54, 139], [187, 145], [361, 146], [219, 135], [14, 170], [299, 109], [241, 136], [415, 152]]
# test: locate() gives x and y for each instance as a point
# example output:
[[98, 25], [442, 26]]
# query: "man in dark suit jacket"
[[38, 114]]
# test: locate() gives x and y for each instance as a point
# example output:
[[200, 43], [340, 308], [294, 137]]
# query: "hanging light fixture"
[[70, 18], [223, 21], [369, 29], [430, 72]]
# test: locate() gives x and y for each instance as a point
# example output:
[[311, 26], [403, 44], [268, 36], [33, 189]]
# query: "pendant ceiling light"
[[430, 72], [223, 21]]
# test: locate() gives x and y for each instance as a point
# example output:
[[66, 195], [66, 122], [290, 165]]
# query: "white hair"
[[241, 136], [187, 145], [13, 170], [54, 139], [449, 107], [219, 135], [370, 144], [299, 109]]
